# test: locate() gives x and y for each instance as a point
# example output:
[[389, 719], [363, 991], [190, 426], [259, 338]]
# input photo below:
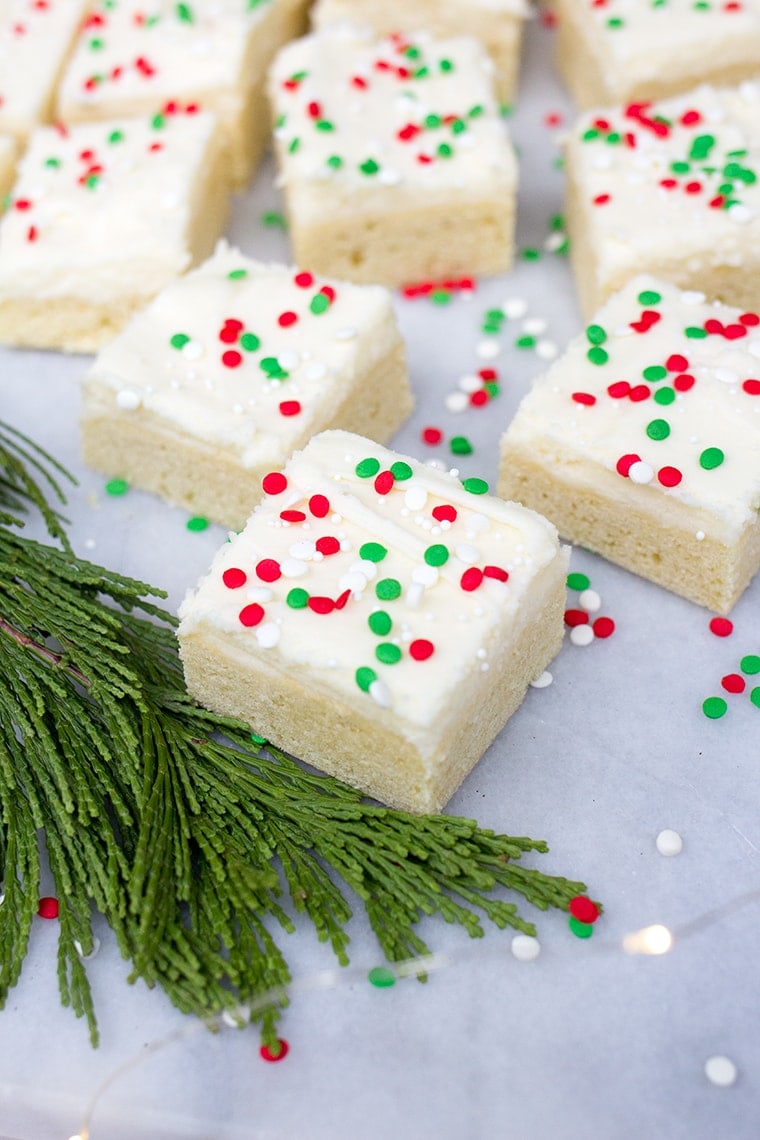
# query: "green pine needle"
[[164, 818]]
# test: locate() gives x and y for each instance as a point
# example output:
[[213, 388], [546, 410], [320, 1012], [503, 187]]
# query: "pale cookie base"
[[243, 112], [705, 273], [499, 32], [7, 165], [341, 739], [207, 480], [374, 244], [71, 322], [580, 62], [632, 530]]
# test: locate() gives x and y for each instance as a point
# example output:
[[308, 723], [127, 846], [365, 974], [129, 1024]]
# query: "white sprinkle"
[[640, 472], [669, 842], [692, 297], [542, 681], [425, 575], [753, 347], [347, 333], [546, 349], [534, 325], [414, 596], [389, 177], [514, 308], [488, 349], [365, 567], [581, 635], [467, 554], [555, 241], [316, 370], [525, 948], [700, 536], [726, 375], [193, 350], [128, 399], [268, 635], [93, 952], [415, 497], [302, 550], [470, 383], [288, 360], [589, 601], [720, 1071], [380, 694], [293, 568], [456, 401], [354, 581], [740, 213]]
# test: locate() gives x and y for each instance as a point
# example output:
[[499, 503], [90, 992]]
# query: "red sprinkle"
[[733, 683], [303, 280], [676, 363], [471, 579], [601, 199], [277, 1054], [321, 605], [752, 387], [683, 382], [251, 615], [432, 436], [603, 627], [384, 482], [669, 476], [721, 626], [328, 544], [286, 319], [496, 572], [292, 516], [268, 570], [582, 908], [47, 907], [445, 513], [625, 463], [234, 577], [420, 649], [584, 398], [639, 392], [319, 505], [274, 483], [290, 408], [232, 358], [619, 389], [576, 617]]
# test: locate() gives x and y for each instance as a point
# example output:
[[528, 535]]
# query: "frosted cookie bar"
[[388, 637], [620, 50], [233, 367], [7, 166], [643, 441], [102, 216], [496, 23], [669, 188], [395, 163], [131, 61], [35, 39]]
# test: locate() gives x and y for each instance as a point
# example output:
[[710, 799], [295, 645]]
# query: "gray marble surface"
[[586, 1041]]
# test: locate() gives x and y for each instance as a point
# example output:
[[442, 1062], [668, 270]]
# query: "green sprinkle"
[[95, 44], [654, 373], [658, 429], [701, 147], [475, 111], [714, 707], [432, 121], [368, 467], [525, 342], [319, 303], [595, 334], [649, 297], [272, 367], [179, 340], [387, 589], [444, 150], [475, 486], [437, 554], [274, 220], [297, 598], [750, 664], [680, 167], [401, 471], [184, 13], [158, 122], [695, 333], [580, 929], [365, 677], [460, 445], [597, 355], [197, 523], [614, 22], [380, 623], [664, 396], [324, 125], [381, 977], [249, 341], [369, 166], [335, 162], [445, 65], [372, 552], [577, 581], [387, 653], [117, 487], [754, 696], [531, 254], [237, 274], [711, 457], [53, 163], [116, 137]]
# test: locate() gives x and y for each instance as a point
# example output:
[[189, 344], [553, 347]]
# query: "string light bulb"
[[652, 940]]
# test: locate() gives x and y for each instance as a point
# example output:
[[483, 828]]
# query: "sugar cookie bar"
[[498, 24], [131, 61], [395, 163], [102, 216], [233, 367], [669, 188], [621, 50], [7, 166], [386, 638], [36, 37], [643, 441]]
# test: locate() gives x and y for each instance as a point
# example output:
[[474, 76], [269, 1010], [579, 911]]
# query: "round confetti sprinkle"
[[380, 623], [582, 908], [368, 467], [437, 555], [365, 677], [603, 627], [582, 635], [711, 458], [733, 683], [721, 626], [297, 598], [750, 664], [319, 505], [47, 907], [460, 445], [525, 948], [381, 977], [268, 570], [542, 681], [251, 615], [669, 842], [387, 589], [580, 929], [117, 487], [720, 1071], [658, 429], [754, 696], [234, 578], [420, 649], [277, 1052], [197, 523], [372, 551], [432, 436], [475, 486], [401, 471], [388, 653], [576, 581], [714, 707], [274, 483], [589, 600]]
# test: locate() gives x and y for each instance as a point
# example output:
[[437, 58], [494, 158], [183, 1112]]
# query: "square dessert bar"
[[36, 37], [233, 367], [669, 188], [131, 60], [643, 441], [395, 163], [497, 24], [386, 638], [102, 216], [619, 50]]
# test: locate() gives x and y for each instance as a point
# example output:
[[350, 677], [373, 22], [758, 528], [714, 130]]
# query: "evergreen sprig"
[[169, 820]]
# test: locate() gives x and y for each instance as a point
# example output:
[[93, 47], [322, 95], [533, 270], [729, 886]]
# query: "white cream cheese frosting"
[[662, 392], [246, 356], [397, 587]]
